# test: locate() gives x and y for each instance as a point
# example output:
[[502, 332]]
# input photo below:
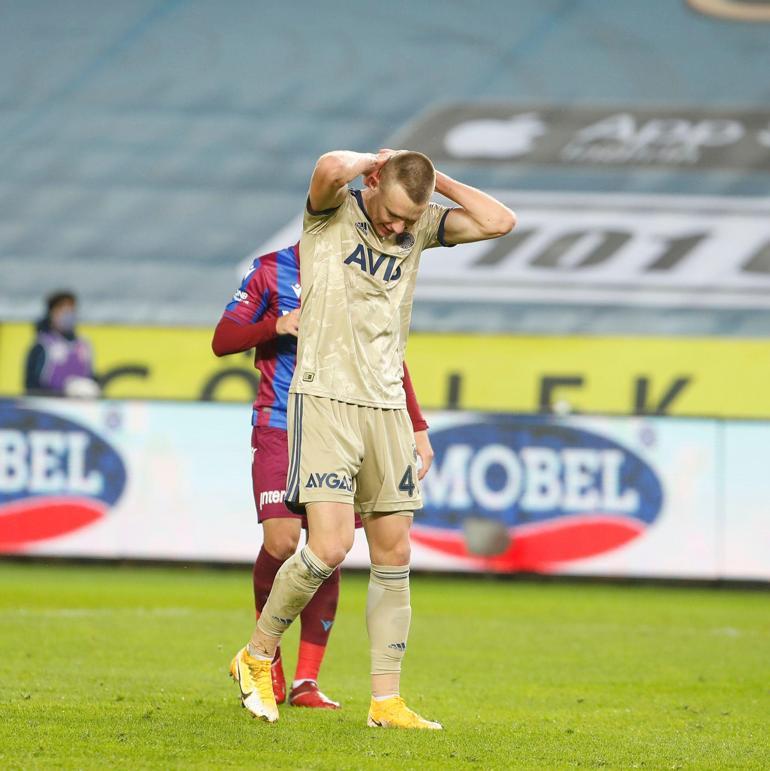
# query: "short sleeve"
[[252, 298], [432, 224], [315, 221]]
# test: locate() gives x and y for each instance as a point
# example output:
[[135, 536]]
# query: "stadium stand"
[[148, 147]]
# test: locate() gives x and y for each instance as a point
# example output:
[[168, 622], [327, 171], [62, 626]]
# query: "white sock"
[[384, 698], [297, 683]]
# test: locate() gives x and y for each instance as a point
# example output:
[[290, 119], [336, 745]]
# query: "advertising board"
[[685, 376], [645, 497]]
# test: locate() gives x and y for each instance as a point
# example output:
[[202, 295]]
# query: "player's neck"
[[366, 197]]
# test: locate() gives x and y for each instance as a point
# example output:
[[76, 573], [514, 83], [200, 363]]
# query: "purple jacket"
[[54, 359]]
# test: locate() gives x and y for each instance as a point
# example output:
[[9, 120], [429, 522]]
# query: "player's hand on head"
[[288, 324], [380, 159], [384, 154], [424, 452]]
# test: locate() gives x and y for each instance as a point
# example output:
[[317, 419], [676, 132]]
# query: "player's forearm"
[[231, 337], [339, 167], [331, 176], [494, 219], [412, 405]]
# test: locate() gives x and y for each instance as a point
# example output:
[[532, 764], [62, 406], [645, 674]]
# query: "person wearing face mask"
[[60, 363]]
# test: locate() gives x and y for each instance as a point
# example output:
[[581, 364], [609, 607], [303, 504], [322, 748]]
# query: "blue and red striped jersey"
[[270, 288]]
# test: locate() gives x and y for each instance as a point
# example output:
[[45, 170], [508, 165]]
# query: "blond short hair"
[[414, 172]]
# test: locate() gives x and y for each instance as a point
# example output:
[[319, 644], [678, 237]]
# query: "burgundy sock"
[[265, 568], [317, 619]]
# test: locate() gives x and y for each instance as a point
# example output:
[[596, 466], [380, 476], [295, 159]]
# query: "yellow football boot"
[[393, 713], [256, 684]]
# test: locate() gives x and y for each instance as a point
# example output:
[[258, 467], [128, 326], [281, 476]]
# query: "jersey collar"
[[358, 195]]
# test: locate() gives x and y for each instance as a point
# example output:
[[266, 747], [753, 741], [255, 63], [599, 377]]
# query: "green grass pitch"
[[126, 668]]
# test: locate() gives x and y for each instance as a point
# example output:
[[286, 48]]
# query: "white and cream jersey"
[[357, 291]]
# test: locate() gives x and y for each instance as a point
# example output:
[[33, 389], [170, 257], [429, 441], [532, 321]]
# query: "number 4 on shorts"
[[407, 482]]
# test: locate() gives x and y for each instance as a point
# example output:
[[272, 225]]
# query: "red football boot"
[[279, 681], [307, 694]]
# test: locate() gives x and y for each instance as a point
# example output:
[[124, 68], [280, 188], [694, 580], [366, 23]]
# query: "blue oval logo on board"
[[56, 476], [523, 493]]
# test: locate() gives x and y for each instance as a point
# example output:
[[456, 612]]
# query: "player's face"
[[63, 316], [393, 211]]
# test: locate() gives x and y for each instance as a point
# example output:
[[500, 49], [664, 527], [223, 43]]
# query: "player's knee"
[[347, 541], [281, 545], [331, 552], [282, 551], [393, 554], [400, 554]]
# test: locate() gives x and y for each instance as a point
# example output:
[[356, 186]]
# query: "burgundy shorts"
[[269, 464]]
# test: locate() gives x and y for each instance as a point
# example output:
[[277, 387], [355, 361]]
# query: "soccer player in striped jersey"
[[264, 314]]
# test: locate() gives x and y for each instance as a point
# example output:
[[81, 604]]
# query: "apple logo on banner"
[[502, 138]]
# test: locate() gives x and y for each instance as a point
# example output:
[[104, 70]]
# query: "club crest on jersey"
[[375, 263], [405, 240], [363, 227], [331, 480]]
